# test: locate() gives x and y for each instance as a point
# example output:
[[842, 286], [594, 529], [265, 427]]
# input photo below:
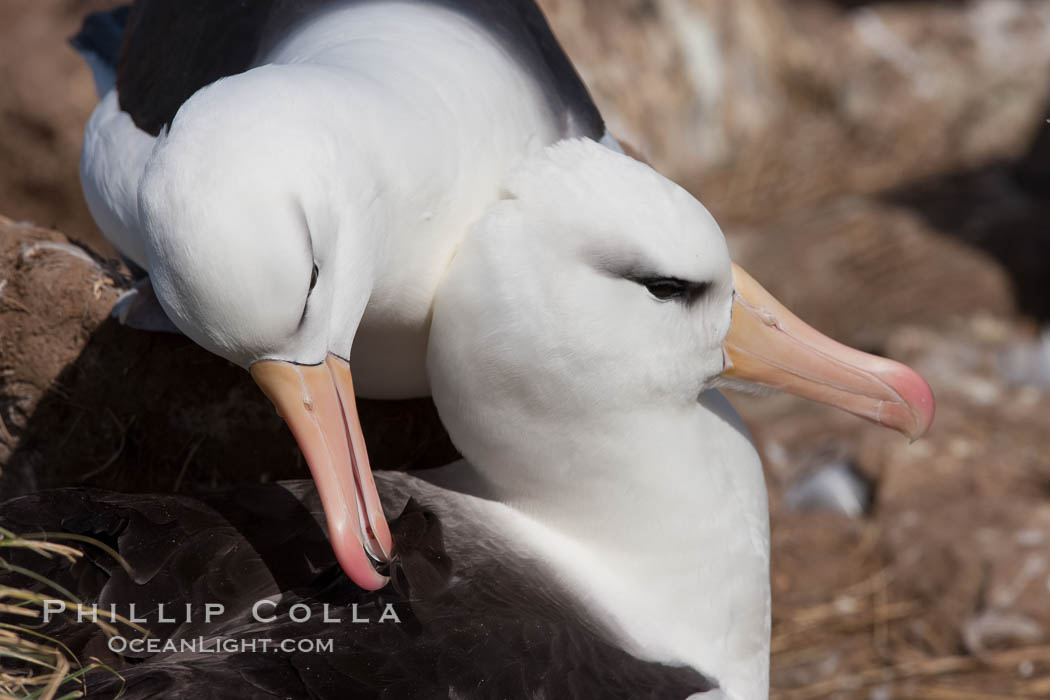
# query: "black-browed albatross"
[[577, 340], [295, 175], [606, 534]]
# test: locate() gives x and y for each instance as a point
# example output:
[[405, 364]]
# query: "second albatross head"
[[261, 249], [597, 286]]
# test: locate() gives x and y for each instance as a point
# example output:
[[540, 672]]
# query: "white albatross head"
[[598, 285], [248, 256]]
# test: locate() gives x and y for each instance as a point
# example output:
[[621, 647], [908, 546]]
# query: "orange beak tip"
[[924, 406], [915, 395], [355, 563]]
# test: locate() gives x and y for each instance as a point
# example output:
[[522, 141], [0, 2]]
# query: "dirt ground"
[[882, 167]]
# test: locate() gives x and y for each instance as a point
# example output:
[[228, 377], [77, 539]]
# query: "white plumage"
[[584, 404], [322, 199], [370, 137]]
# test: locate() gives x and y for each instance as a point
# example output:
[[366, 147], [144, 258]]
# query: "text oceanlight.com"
[[213, 645]]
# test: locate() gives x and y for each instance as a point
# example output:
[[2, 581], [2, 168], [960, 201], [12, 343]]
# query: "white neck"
[[658, 519]]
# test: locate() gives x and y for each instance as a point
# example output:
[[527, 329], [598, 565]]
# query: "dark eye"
[[666, 288], [313, 283], [672, 288]]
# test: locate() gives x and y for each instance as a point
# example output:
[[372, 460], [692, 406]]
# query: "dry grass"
[[36, 665], [806, 636]]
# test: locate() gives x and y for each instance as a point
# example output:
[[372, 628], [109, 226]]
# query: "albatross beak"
[[769, 345], [318, 403]]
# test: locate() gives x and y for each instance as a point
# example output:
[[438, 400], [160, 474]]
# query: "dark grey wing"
[[101, 34], [180, 550], [521, 25], [172, 48], [493, 629]]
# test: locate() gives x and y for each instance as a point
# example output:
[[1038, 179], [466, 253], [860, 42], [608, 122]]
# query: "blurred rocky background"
[[882, 167]]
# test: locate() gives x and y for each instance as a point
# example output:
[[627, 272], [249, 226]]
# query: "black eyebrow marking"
[[682, 290], [636, 266]]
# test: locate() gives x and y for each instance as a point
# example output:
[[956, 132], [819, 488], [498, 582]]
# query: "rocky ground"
[[882, 167]]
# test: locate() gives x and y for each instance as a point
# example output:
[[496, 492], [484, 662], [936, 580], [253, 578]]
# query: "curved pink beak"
[[318, 403], [769, 345]]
